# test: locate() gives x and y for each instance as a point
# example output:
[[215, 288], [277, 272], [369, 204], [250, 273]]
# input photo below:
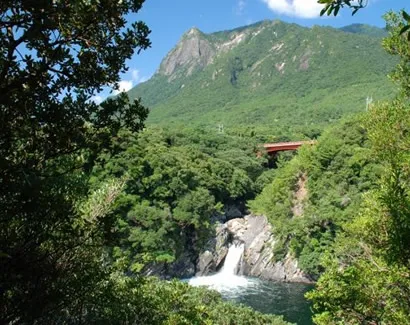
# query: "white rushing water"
[[226, 279], [267, 297], [232, 260]]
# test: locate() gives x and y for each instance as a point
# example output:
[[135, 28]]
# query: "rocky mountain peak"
[[193, 32], [262, 71], [197, 50], [192, 51]]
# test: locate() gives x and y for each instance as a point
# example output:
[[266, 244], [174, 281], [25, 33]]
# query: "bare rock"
[[210, 260], [256, 233], [237, 227], [183, 267], [192, 51], [205, 263]]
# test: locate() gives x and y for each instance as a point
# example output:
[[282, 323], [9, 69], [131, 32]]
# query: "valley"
[[207, 176], [260, 176]]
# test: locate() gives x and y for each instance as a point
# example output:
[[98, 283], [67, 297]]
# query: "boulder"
[[205, 263]]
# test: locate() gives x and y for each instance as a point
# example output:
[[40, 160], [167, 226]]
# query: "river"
[[285, 299]]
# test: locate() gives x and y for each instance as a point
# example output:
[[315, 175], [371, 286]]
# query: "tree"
[[367, 279], [333, 6], [54, 55]]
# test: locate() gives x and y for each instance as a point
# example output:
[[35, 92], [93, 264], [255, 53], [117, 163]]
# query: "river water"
[[285, 299]]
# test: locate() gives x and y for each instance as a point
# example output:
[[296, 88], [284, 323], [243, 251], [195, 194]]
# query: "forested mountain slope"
[[333, 174], [271, 73]]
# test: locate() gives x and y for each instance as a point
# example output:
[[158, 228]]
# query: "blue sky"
[[169, 19]]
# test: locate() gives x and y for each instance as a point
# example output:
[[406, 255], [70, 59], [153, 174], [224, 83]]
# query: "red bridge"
[[284, 146]]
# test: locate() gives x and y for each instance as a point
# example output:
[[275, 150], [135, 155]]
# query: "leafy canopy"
[[333, 6], [54, 55], [367, 273]]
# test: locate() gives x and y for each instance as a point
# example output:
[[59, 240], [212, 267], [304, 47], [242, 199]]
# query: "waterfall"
[[232, 259], [226, 279]]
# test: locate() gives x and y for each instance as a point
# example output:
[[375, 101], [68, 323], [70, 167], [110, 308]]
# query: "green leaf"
[[329, 10], [406, 16], [404, 29]]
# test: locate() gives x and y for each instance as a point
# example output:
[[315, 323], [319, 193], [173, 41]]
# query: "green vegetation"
[[367, 275], [354, 229], [91, 201], [365, 29], [274, 78], [77, 181], [178, 303], [336, 171], [51, 251], [174, 184]]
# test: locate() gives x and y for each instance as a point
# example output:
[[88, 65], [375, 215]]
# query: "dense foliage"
[[178, 303], [367, 278], [175, 184], [127, 300], [59, 208], [326, 181], [54, 56], [89, 201]]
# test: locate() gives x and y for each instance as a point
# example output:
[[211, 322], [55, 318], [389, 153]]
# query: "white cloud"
[[135, 75], [137, 78], [126, 85], [123, 86], [240, 7], [97, 99], [295, 8]]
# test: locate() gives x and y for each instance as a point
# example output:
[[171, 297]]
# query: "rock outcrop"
[[256, 233], [196, 50], [210, 260], [258, 260], [193, 51]]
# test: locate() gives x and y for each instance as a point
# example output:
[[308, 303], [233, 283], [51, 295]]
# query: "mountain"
[[365, 29], [272, 74]]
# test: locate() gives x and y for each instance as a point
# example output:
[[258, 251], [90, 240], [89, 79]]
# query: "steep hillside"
[[365, 29], [271, 73]]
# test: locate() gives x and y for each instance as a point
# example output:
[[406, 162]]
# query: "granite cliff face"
[[258, 260], [212, 257], [196, 50], [192, 52]]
